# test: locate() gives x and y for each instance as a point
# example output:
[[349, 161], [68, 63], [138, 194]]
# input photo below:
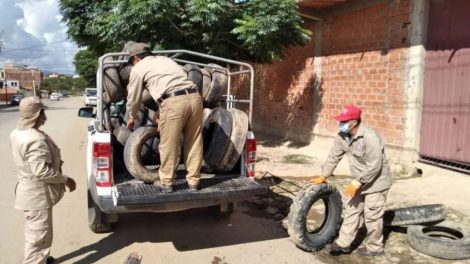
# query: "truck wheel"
[[415, 215], [112, 84], [218, 85], [195, 75], [237, 140], [133, 150], [446, 240], [301, 216], [98, 221], [222, 210], [216, 135]]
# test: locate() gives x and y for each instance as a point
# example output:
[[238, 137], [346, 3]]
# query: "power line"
[[37, 46]]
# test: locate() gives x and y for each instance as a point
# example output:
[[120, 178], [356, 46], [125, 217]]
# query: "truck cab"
[[112, 190]]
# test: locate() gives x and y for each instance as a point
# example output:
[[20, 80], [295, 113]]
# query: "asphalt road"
[[194, 236]]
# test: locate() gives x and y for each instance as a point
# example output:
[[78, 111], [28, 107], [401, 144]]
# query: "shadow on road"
[[190, 230]]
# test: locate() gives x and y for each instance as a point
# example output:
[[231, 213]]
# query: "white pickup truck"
[[113, 190]]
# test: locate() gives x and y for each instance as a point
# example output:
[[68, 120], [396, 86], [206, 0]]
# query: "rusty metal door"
[[445, 126]]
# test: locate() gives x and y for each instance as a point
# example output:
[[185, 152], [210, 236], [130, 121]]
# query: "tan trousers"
[[181, 115], [369, 209], [38, 236]]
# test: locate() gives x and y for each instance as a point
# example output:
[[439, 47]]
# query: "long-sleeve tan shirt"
[[157, 74], [38, 163], [367, 160]]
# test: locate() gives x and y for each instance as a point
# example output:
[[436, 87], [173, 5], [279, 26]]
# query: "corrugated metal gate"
[[445, 127]]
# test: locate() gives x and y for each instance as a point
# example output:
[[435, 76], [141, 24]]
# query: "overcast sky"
[[34, 35]]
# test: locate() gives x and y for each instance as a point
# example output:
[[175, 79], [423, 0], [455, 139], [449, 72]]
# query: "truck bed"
[[216, 187]]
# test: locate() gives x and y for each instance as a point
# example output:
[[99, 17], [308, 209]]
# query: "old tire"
[[122, 133], [150, 154], [98, 222], [124, 74], [218, 85], [415, 215], [195, 75], [133, 150], [206, 83], [237, 140], [216, 135], [112, 84], [148, 101], [297, 219], [446, 240]]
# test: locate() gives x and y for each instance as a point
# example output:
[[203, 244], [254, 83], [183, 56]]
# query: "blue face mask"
[[344, 127]]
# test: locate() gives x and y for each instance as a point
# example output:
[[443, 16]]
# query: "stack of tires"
[[224, 131]]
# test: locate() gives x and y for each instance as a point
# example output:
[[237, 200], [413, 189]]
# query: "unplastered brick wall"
[[284, 91], [364, 62]]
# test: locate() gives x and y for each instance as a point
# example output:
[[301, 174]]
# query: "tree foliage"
[[64, 83], [86, 65], [257, 30]]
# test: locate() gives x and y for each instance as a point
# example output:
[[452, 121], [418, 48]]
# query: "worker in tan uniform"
[[366, 194], [180, 112], [41, 183]]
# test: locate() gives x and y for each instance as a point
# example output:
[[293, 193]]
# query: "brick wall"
[[364, 63], [25, 77], [283, 97], [364, 60]]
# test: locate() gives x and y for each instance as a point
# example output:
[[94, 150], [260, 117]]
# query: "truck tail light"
[[102, 166], [250, 154]]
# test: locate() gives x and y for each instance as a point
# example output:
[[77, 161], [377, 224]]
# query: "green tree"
[[86, 64], [257, 30]]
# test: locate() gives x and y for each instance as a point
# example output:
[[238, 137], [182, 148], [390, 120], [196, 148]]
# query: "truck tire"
[[148, 101], [150, 154], [297, 218], [124, 74], [415, 215], [122, 133], [112, 84], [237, 140], [218, 85], [132, 154], [216, 135], [195, 75], [206, 83], [98, 222], [446, 240]]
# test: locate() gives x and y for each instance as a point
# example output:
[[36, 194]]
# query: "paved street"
[[248, 236]]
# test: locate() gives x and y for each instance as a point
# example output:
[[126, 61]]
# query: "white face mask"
[[344, 127]]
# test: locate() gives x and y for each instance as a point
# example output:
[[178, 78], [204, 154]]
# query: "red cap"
[[349, 112]]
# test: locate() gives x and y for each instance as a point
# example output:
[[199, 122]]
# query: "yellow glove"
[[317, 180], [352, 188]]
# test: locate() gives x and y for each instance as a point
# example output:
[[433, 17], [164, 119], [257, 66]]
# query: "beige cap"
[[30, 108], [137, 48]]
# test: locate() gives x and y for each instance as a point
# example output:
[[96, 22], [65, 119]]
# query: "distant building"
[[21, 76]]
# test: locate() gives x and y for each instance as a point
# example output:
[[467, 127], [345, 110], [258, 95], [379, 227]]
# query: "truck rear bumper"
[[140, 197]]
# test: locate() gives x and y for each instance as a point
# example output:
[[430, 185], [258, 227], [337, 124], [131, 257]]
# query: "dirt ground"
[[286, 167]]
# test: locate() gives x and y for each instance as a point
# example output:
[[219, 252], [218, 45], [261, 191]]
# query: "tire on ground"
[[195, 75], [446, 240], [133, 150], [415, 215], [216, 135], [112, 83], [218, 85], [237, 140], [297, 218]]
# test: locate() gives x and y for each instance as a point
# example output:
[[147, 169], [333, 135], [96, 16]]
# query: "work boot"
[[50, 260], [364, 253], [163, 188], [335, 249], [193, 188]]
